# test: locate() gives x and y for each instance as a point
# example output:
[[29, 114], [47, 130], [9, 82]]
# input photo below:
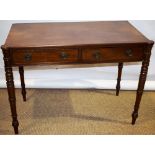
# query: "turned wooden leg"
[[11, 89], [142, 79], [21, 72], [12, 98], [140, 89], [120, 66]]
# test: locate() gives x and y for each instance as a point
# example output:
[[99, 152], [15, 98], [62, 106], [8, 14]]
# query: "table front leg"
[[12, 98], [10, 88], [21, 72], [142, 80]]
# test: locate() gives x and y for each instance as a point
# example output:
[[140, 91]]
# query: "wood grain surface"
[[73, 33]]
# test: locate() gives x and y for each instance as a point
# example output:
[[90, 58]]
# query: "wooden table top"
[[73, 34]]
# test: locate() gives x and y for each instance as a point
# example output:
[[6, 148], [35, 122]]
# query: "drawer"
[[37, 56], [112, 54]]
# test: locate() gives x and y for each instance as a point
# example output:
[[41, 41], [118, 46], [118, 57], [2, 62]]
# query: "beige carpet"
[[78, 112]]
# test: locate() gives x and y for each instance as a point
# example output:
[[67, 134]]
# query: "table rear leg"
[[21, 72], [120, 66]]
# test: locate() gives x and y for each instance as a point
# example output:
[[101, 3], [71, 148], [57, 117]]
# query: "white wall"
[[87, 77]]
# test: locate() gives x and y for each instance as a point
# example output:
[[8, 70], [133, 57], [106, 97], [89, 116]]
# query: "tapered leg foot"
[[24, 97], [21, 72], [117, 93], [134, 117], [15, 125]]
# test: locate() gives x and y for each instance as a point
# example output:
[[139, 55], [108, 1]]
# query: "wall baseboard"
[[80, 84]]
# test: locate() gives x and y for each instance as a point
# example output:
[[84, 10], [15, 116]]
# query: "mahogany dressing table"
[[74, 43]]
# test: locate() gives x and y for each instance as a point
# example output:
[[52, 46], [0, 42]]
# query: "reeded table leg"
[[21, 72], [120, 66], [141, 84], [11, 89]]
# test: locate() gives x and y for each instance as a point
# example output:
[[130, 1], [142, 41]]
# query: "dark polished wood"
[[120, 66], [74, 43], [142, 79], [108, 54], [10, 88], [47, 55], [21, 72], [73, 34]]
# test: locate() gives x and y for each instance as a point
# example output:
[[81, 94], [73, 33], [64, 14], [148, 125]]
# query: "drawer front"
[[112, 54], [28, 57]]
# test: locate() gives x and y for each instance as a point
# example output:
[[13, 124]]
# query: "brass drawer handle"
[[97, 55], [64, 55], [129, 53], [28, 57]]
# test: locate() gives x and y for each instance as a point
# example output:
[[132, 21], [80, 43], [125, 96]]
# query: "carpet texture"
[[83, 112]]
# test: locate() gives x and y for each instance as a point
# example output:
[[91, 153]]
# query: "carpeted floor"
[[78, 112]]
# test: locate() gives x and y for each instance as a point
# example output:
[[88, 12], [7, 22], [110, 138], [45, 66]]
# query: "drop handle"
[[64, 55], [129, 53], [28, 57], [97, 55]]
